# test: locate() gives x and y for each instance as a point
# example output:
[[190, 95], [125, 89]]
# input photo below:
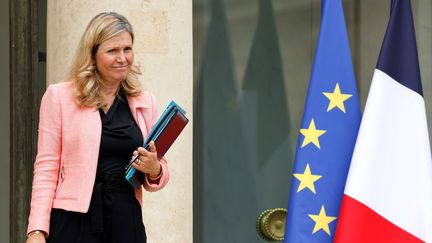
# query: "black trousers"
[[114, 216]]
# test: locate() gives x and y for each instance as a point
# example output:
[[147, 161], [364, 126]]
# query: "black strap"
[[102, 197]]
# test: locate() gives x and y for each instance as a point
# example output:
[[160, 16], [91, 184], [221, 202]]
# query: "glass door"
[[252, 64], [252, 61]]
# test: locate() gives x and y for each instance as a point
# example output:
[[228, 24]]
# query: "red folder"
[[170, 133]]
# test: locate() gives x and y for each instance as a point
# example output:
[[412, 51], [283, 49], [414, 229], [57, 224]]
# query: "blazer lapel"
[[140, 109]]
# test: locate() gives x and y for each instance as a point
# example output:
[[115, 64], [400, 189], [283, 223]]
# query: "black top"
[[120, 136]]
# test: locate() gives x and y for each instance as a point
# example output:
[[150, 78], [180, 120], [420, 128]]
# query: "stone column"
[[163, 49]]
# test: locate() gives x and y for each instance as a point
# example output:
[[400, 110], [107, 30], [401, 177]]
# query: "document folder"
[[166, 130]]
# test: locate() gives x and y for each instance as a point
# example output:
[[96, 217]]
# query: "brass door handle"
[[271, 224]]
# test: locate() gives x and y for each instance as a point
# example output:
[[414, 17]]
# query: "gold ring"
[[138, 161]]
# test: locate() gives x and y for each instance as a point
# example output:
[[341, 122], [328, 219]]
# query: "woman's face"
[[114, 58]]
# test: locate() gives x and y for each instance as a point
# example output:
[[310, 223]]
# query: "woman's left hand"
[[147, 161]]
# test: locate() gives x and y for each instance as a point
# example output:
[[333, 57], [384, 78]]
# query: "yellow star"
[[311, 134], [322, 221], [337, 99], [307, 179]]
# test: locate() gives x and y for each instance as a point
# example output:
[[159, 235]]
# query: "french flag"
[[388, 193]]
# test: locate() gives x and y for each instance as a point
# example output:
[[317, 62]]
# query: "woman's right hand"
[[36, 238]]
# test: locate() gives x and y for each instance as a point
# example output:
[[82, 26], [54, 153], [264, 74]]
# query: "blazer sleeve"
[[47, 163], [163, 180]]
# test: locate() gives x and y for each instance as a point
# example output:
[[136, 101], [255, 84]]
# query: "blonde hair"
[[83, 71]]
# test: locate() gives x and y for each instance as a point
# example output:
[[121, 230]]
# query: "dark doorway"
[[4, 122], [27, 83]]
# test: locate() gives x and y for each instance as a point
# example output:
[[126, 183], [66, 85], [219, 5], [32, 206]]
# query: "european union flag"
[[327, 136]]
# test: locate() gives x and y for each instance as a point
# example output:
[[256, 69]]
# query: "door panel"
[[244, 128]]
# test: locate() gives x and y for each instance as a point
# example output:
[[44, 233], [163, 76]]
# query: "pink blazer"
[[68, 149]]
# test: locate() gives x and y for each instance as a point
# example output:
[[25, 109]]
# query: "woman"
[[89, 129]]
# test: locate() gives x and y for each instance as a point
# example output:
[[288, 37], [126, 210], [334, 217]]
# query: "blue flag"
[[327, 136]]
